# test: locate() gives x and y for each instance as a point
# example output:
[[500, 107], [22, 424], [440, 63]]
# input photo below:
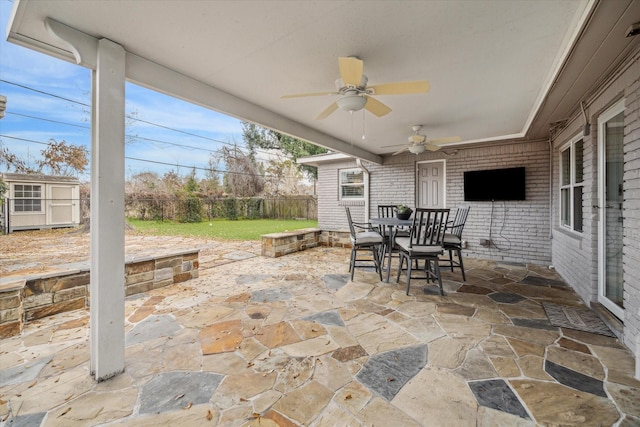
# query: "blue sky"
[[25, 67]]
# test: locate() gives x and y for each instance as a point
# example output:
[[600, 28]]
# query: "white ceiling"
[[490, 63]]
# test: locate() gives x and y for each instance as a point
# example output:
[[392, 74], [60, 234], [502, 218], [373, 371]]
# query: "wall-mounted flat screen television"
[[494, 184]]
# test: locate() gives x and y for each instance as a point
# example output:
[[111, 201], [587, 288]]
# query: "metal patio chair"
[[389, 211], [364, 238], [424, 243], [453, 239]]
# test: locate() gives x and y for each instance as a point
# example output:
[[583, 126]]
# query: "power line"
[[48, 120], [129, 116], [130, 136], [45, 93], [24, 139], [191, 147], [157, 162]]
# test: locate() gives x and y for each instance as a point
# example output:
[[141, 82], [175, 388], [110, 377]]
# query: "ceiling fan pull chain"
[[351, 113], [363, 116]]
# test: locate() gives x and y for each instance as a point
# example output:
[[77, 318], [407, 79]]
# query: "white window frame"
[[31, 198], [572, 185], [342, 184]]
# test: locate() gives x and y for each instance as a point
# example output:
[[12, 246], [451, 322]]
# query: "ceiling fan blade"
[[394, 145], [300, 95], [327, 111], [432, 147], [401, 151], [400, 88], [445, 140], [351, 70], [376, 107]]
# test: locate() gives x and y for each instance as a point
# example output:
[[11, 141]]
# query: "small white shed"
[[39, 201]]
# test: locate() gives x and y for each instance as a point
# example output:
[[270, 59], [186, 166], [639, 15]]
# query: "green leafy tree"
[[192, 204], [258, 137]]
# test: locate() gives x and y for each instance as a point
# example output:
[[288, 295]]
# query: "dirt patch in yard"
[[37, 251]]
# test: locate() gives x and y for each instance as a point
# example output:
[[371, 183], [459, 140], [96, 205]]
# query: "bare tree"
[[58, 158], [242, 177]]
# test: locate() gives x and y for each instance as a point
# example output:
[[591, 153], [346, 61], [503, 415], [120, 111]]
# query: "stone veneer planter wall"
[[275, 245], [25, 299]]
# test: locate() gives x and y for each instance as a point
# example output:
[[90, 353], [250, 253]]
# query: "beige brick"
[[51, 309], [37, 300], [69, 294], [11, 314], [10, 329], [139, 277], [139, 267], [10, 300]]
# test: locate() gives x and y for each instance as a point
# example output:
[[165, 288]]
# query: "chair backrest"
[[352, 229], [456, 227], [386, 211], [428, 227]]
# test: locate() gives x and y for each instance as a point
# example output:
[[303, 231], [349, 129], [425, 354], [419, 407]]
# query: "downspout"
[[551, 216], [365, 173]]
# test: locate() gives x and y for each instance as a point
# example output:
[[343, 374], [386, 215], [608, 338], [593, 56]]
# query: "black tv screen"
[[494, 184]]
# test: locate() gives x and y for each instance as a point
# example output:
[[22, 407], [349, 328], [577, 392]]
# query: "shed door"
[[431, 184], [61, 205]]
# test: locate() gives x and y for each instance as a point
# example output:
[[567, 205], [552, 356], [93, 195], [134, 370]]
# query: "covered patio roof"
[[497, 69]]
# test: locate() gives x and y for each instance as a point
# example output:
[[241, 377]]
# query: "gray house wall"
[[520, 229], [575, 255], [531, 230]]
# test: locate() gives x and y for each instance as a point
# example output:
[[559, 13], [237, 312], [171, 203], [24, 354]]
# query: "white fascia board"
[[323, 158]]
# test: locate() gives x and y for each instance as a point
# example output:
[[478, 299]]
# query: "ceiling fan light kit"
[[356, 95], [417, 149], [419, 143], [351, 103]]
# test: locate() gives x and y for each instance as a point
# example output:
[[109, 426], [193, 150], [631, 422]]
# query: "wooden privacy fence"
[[194, 209]]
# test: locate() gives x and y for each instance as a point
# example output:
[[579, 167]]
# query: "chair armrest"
[[363, 225]]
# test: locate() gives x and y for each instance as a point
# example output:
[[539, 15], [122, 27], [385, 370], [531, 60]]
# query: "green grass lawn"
[[221, 229]]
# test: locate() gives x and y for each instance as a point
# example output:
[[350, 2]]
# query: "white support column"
[[107, 212]]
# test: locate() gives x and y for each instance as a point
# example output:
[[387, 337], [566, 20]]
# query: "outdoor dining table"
[[392, 224]]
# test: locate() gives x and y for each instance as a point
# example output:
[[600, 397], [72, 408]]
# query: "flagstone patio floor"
[[291, 341]]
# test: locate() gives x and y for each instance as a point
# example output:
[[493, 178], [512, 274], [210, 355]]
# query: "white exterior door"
[[610, 194], [62, 206], [431, 184]]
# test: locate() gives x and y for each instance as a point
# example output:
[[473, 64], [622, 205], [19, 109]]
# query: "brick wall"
[[631, 240], [575, 255], [519, 228]]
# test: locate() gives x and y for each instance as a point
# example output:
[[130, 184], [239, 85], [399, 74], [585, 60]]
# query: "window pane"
[[565, 167], [564, 206], [579, 155], [577, 208], [352, 177], [353, 191]]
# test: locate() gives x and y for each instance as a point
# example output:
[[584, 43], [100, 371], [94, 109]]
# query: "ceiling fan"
[[418, 143], [356, 95]]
